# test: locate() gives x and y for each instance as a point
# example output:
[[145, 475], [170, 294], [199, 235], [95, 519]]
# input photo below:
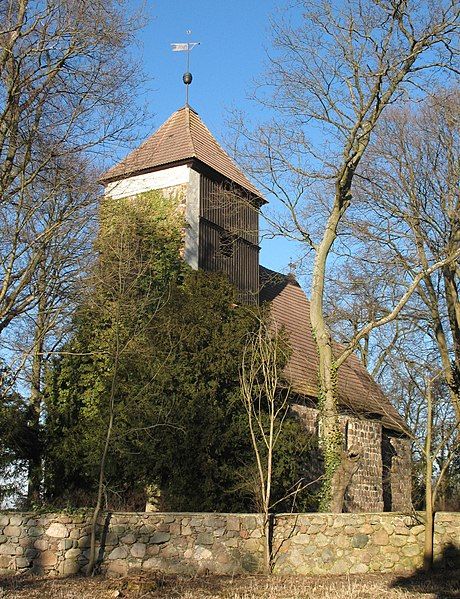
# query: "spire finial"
[[186, 47]]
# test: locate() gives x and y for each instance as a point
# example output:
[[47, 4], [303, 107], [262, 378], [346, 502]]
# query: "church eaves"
[[183, 137]]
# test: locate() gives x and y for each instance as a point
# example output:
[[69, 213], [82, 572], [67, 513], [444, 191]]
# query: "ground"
[[439, 586]]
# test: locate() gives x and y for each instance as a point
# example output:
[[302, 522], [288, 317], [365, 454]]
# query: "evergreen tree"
[[178, 420], [17, 438]]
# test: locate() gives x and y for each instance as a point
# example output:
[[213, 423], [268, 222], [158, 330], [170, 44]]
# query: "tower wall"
[[222, 223], [163, 179], [229, 234], [182, 185], [192, 218]]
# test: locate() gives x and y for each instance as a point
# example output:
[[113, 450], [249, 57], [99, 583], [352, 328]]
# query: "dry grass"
[[440, 586]]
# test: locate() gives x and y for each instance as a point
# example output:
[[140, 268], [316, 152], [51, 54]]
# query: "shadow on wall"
[[102, 542], [444, 580], [388, 455]]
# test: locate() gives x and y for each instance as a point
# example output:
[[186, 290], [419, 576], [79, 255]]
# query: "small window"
[[226, 244]]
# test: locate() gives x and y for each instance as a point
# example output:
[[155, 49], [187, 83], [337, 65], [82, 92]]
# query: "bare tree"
[[57, 281], [66, 85], [31, 337], [406, 217], [411, 206], [438, 442], [332, 77], [266, 397], [66, 88], [266, 400]]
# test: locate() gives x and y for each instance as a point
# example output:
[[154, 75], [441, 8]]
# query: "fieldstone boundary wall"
[[361, 543], [189, 543]]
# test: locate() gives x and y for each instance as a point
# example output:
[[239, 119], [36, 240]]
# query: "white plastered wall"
[[177, 175], [192, 217], [167, 179]]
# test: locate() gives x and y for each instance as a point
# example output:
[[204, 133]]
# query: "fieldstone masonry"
[[396, 456], [57, 544], [365, 492], [382, 481], [360, 543]]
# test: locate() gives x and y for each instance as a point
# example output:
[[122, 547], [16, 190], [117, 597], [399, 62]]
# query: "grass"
[[437, 586]]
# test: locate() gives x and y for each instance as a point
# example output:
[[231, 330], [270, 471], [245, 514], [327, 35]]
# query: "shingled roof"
[[358, 392], [183, 137]]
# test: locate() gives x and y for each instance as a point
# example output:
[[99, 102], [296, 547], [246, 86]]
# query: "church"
[[184, 161]]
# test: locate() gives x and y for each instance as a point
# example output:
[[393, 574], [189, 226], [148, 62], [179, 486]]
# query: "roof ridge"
[[276, 276], [220, 146], [189, 128]]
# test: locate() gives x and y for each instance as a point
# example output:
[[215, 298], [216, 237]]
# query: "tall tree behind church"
[[335, 69], [66, 87]]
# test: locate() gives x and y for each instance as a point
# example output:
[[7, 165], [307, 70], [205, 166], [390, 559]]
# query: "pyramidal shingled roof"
[[182, 137]]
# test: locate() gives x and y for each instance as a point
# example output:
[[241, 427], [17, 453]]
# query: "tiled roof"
[[358, 392], [182, 137]]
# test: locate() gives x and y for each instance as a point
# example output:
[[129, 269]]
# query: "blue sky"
[[233, 38], [232, 35]]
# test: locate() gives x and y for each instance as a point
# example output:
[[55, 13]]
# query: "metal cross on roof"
[[185, 47]]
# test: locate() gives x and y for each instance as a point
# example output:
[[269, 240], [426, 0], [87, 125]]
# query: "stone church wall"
[[397, 466], [57, 544], [365, 492], [382, 481]]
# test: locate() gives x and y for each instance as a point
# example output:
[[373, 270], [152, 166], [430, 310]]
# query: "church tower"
[[184, 161]]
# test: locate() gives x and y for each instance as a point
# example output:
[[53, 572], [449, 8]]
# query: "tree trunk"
[[267, 545], [330, 435], [98, 508], [34, 474], [428, 549], [431, 299], [349, 463], [453, 308], [100, 489], [268, 531]]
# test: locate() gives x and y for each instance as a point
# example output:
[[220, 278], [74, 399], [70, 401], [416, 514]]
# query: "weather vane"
[[186, 47]]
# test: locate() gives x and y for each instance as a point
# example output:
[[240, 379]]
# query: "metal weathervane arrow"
[[185, 47]]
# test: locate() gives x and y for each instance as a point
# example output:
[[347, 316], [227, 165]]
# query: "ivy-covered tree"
[[170, 394]]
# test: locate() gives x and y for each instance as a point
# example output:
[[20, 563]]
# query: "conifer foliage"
[[155, 358]]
